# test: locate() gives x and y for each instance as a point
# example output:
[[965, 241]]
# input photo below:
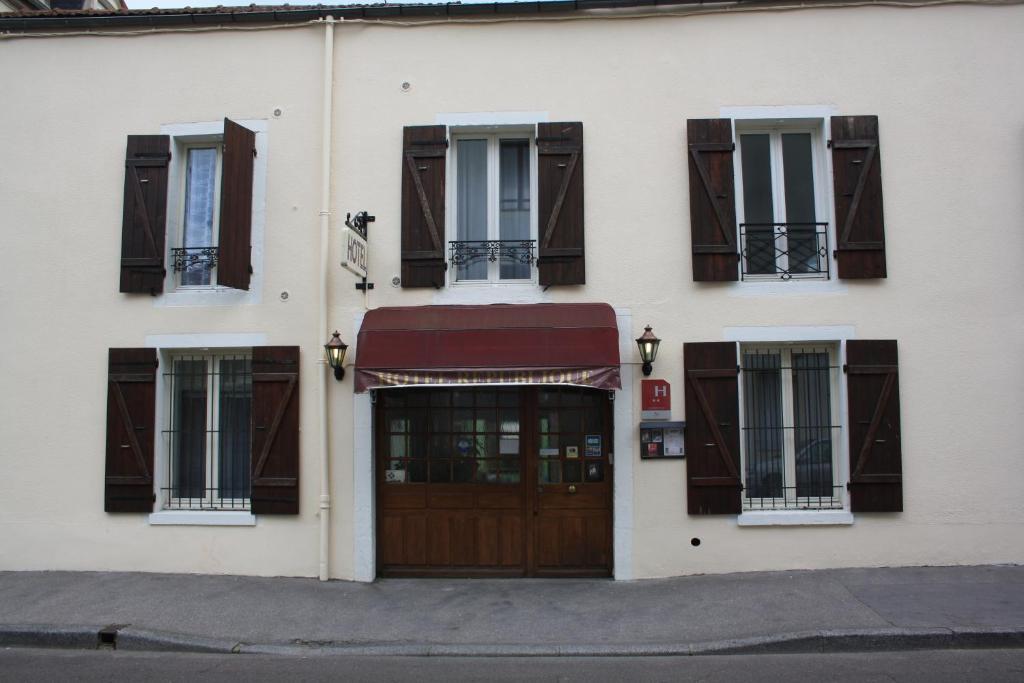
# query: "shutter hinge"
[[250, 269], [835, 253], [446, 265], [154, 497], [846, 368], [254, 153], [828, 144]]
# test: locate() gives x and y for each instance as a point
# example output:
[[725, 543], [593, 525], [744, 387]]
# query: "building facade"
[[805, 204]]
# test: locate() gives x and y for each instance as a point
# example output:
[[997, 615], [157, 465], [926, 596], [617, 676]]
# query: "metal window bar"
[[784, 250], [789, 450], [464, 253], [194, 259], [208, 435]]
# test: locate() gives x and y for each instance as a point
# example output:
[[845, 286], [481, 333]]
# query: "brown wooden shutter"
[[560, 255], [424, 150], [234, 250], [131, 413], [711, 397], [857, 180], [275, 438], [712, 200], [144, 222], [873, 391]]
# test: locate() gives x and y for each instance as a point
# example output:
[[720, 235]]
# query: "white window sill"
[[202, 518], [796, 518], [795, 287], [207, 296], [491, 293]]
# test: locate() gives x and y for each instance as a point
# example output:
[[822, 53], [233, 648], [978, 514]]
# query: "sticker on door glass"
[[593, 446], [595, 471], [464, 445], [394, 476], [572, 451]]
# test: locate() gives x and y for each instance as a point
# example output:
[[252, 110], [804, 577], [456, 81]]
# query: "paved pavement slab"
[[698, 613]]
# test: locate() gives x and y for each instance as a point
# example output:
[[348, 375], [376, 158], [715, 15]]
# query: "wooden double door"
[[512, 481]]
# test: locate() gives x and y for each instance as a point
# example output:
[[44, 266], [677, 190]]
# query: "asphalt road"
[[926, 666]]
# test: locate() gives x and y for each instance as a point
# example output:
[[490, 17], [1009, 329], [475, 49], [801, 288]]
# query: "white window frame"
[[790, 502], [183, 136], [168, 346], [748, 117], [493, 134], [775, 129], [211, 502]]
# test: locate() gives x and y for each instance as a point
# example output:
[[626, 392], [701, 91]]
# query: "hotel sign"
[[599, 378], [354, 249]]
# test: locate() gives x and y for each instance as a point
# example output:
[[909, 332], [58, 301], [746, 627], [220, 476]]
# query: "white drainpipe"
[[322, 331]]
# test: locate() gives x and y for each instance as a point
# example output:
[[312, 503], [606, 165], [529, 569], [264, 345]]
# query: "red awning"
[[496, 344]]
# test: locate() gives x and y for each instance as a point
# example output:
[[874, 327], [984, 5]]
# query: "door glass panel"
[[572, 469], [440, 471], [550, 471]]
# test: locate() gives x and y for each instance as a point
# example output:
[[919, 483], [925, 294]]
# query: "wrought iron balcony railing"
[[194, 259], [466, 253], [784, 250]]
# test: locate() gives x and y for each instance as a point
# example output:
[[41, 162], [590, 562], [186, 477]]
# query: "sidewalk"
[[798, 611]]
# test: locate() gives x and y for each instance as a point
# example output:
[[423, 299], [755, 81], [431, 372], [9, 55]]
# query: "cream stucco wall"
[[941, 80]]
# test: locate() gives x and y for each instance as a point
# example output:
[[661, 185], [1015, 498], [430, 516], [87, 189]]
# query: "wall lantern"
[[648, 345], [336, 355]]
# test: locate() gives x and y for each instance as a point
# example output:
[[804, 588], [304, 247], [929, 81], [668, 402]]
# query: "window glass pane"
[[757, 178], [812, 416], [758, 206], [188, 430], [802, 244], [471, 200], [514, 203], [762, 424], [235, 409], [200, 188], [799, 177]]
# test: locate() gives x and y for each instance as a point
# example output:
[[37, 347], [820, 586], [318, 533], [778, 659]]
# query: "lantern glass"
[[336, 351], [648, 345]]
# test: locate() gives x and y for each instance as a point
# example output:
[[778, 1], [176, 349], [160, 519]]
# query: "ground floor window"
[[208, 432], [790, 426]]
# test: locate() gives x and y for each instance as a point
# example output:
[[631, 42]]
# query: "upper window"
[[492, 234], [789, 415], [781, 212], [771, 218], [493, 204], [189, 216], [208, 432]]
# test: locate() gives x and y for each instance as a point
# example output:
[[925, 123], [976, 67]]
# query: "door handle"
[[572, 488]]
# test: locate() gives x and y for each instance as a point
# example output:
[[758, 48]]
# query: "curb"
[[129, 638]]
